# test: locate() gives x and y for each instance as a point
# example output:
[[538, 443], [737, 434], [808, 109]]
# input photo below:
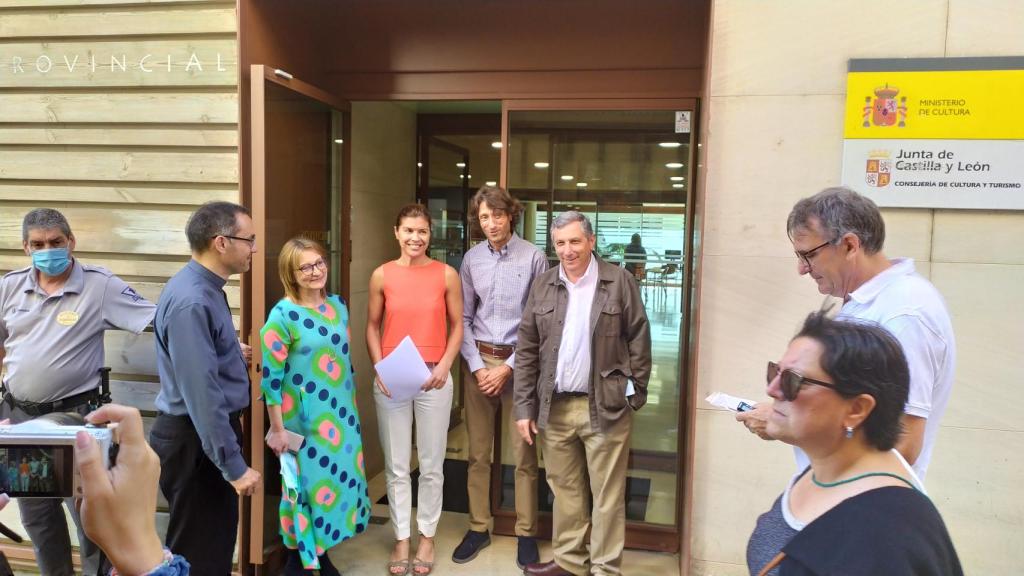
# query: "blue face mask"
[[52, 262]]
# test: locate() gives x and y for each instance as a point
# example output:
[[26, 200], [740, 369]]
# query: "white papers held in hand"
[[403, 371]]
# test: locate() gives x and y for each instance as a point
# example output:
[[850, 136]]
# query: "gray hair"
[[44, 219], [566, 218], [211, 220], [840, 211]]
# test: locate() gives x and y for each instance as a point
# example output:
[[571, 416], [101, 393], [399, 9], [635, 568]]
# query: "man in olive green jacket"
[[583, 359]]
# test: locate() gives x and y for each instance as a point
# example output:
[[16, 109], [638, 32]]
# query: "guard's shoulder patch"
[[130, 292]]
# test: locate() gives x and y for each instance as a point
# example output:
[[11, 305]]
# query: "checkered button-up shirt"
[[495, 285]]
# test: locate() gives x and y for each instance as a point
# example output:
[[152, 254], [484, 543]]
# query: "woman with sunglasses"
[[838, 393], [309, 390]]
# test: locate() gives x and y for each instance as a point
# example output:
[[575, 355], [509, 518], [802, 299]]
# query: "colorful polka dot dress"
[[307, 370]]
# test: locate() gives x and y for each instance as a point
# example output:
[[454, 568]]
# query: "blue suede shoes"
[[527, 552], [471, 545]]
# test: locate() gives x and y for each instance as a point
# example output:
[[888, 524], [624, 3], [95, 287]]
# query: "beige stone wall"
[[775, 135], [383, 180]]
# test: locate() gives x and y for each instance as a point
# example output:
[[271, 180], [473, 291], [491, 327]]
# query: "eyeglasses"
[[806, 255], [307, 269], [251, 241], [790, 382]]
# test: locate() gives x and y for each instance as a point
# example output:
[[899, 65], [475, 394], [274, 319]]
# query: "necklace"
[[817, 482]]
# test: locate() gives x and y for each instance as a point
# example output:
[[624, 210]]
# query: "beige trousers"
[[480, 414], [572, 450]]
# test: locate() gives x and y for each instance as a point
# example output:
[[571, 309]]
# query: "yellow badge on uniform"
[[67, 318]]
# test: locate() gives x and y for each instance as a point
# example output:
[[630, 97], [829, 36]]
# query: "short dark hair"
[[864, 358], [497, 199], [44, 219], [414, 211], [840, 211], [211, 220]]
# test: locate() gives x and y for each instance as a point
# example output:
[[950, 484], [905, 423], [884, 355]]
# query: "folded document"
[[733, 403]]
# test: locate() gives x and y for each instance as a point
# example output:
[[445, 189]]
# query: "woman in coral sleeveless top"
[[418, 297]]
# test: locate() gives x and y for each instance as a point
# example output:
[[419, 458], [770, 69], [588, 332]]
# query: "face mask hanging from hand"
[[52, 262]]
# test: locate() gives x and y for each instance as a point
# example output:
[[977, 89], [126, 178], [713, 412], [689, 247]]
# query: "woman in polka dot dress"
[[309, 389]]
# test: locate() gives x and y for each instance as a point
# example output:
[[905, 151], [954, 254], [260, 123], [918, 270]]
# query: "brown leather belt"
[[499, 351]]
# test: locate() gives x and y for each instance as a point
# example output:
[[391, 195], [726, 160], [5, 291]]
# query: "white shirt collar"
[[590, 273], [873, 287]]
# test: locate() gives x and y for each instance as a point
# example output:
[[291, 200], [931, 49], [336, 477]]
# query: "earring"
[[849, 431]]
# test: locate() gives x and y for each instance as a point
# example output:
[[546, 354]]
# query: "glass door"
[[444, 188], [628, 166], [299, 187]]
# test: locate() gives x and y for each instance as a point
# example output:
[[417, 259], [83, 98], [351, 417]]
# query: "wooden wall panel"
[[54, 105], [184, 135], [119, 21], [178, 61], [133, 266], [130, 231], [134, 165], [125, 153], [187, 194], [72, 3]]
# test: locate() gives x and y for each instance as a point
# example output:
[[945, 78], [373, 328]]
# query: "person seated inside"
[[635, 257]]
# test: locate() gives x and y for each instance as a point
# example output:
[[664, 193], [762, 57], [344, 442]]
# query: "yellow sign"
[[67, 318], [955, 105]]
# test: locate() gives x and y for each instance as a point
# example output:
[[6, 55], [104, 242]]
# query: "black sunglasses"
[[790, 382]]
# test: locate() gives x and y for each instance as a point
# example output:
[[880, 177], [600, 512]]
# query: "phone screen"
[[37, 471]]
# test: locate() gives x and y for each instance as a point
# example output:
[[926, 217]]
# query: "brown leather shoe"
[[546, 569]]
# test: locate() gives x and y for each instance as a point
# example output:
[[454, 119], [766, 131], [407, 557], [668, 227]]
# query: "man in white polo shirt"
[[837, 235]]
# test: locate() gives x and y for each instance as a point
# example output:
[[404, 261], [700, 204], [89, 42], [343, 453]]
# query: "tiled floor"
[[367, 554]]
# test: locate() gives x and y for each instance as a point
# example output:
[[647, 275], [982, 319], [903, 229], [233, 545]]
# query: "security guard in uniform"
[[52, 318]]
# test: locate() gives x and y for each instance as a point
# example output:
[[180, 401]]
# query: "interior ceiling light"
[[419, 164], [491, 182], [568, 177], [541, 165], [460, 164], [674, 165], [339, 141], [675, 178], [496, 144], [670, 144], [678, 185], [581, 184]]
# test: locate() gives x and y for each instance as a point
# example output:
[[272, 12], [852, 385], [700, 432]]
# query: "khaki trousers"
[[480, 414], [572, 450]]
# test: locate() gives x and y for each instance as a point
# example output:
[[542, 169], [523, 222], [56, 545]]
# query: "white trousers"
[[432, 411]]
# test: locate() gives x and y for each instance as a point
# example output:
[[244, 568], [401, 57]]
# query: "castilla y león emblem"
[[879, 169], [884, 110]]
